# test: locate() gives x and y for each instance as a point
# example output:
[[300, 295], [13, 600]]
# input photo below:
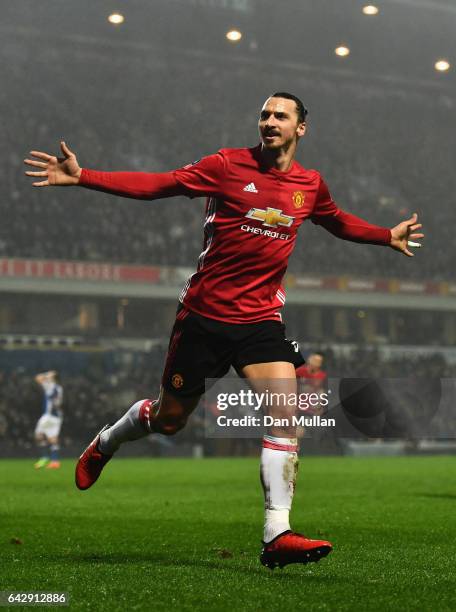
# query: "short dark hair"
[[301, 109]]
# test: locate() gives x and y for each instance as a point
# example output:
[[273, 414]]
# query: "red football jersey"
[[253, 213], [252, 217]]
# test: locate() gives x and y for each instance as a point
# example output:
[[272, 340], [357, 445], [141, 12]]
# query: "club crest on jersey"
[[177, 381], [298, 199], [271, 217]]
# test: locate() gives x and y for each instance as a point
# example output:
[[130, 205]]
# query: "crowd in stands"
[[385, 153]]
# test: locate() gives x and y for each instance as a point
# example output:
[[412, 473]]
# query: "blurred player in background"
[[311, 376], [229, 311], [47, 429]]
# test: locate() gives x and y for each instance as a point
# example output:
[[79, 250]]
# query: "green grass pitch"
[[184, 534]]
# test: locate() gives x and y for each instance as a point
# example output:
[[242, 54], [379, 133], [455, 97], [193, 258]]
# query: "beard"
[[277, 143]]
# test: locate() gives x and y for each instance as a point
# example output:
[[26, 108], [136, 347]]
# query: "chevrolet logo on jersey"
[[271, 217]]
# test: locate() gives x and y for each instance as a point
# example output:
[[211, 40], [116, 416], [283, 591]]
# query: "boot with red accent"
[[90, 464], [290, 547]]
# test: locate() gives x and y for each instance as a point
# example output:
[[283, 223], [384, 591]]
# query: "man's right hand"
[[54, 170]]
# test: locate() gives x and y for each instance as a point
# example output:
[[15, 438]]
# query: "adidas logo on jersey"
[[251, 187]]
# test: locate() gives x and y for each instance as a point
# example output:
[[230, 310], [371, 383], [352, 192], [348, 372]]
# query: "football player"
[[47, 429], [229, 309]]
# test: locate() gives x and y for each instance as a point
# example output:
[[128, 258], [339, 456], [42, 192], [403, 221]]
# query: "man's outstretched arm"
[[202, 178], [350, 227], [65, 171]]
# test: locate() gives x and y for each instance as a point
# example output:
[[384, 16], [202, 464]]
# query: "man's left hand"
[[403, 233]]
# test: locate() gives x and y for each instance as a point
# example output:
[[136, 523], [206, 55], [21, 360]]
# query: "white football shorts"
[[49, 425]]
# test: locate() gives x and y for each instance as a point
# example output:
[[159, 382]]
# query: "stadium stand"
[[374, 162]]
